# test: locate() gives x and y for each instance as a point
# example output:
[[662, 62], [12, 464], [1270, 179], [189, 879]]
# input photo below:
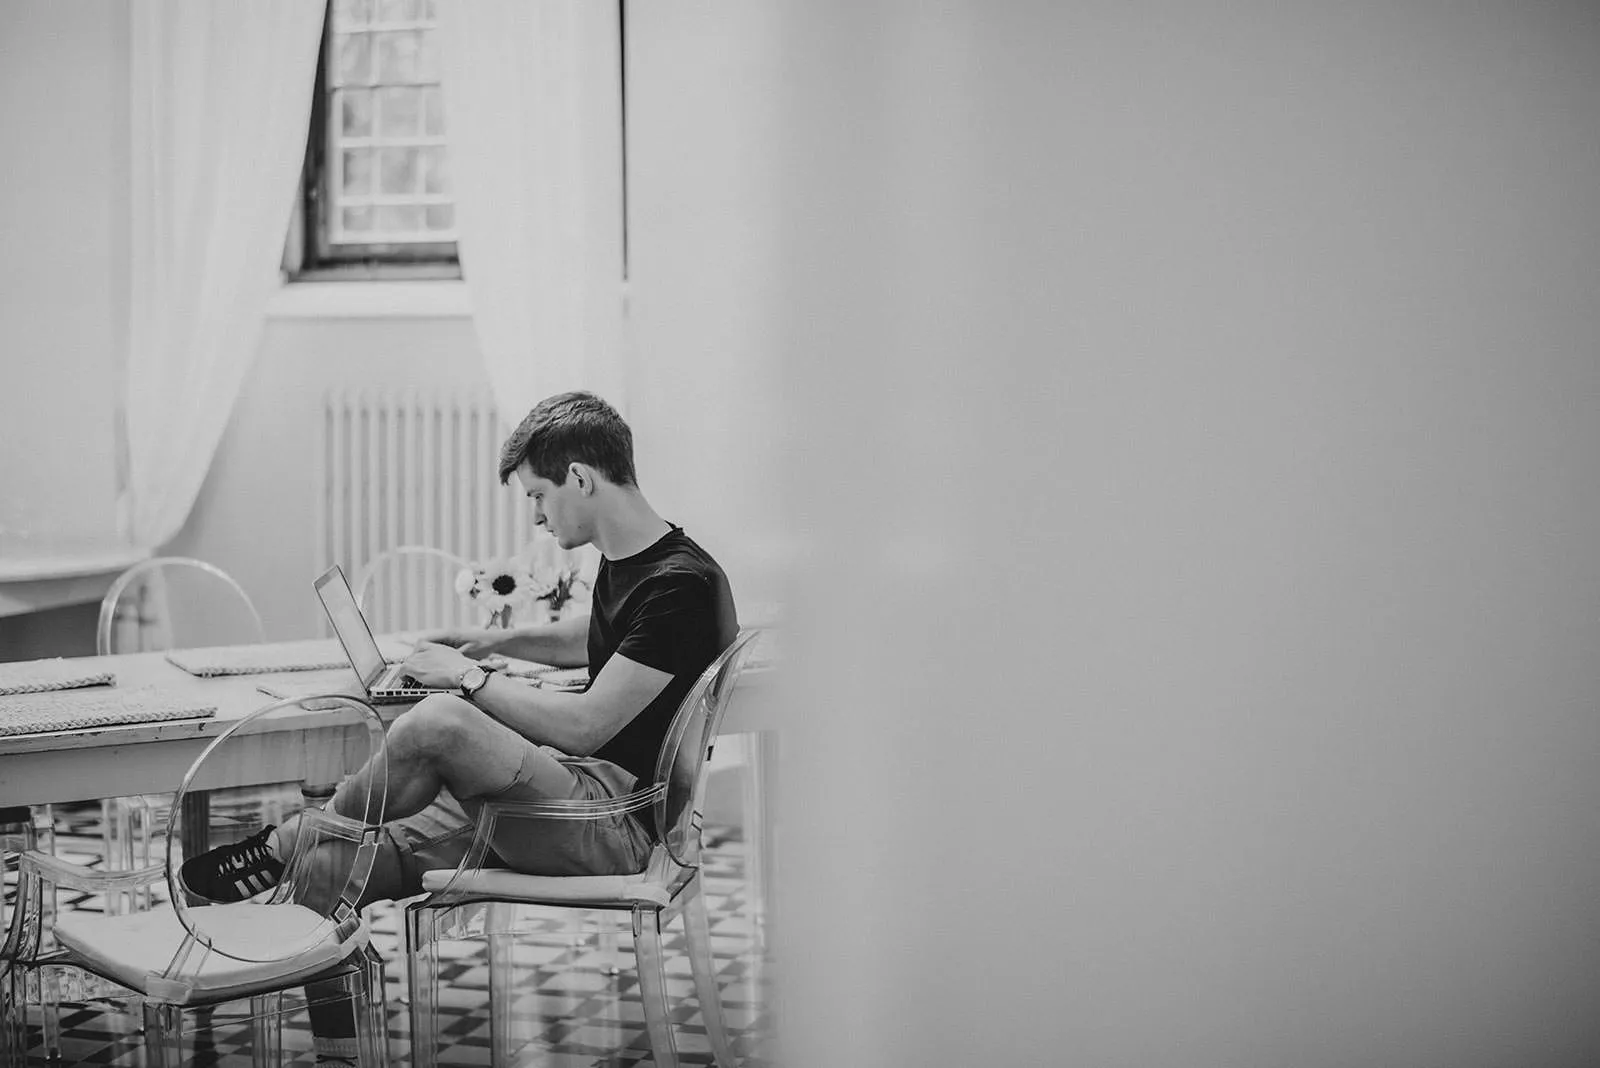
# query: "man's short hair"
[[576, 427]]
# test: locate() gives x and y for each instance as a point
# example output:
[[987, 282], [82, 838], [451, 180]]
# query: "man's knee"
[[440, 723], [324, 865]]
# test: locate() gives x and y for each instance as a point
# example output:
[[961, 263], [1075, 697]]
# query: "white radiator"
[[405, 468]]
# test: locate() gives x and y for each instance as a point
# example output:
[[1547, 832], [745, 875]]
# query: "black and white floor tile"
[[580, 1004]]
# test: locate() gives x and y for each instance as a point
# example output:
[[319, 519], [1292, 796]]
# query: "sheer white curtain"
[[220, 97], [533, 110]]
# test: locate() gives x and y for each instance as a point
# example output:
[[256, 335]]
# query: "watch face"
[[473, 678]]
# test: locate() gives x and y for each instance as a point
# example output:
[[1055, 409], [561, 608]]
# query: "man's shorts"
[[439, 835]]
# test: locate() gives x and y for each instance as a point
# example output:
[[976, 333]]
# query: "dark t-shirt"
[[668, 607]]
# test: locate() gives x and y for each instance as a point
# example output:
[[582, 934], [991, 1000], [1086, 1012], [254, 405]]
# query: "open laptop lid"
[[350, 625]]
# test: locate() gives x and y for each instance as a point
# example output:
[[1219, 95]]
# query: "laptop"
[[384, 683]]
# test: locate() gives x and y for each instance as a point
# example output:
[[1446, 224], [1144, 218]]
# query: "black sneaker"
[[234, 872]]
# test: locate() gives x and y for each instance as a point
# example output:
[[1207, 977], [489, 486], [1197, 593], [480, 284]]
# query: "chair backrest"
[[175, 600], [319, 738], [681, 765], [411, 587]]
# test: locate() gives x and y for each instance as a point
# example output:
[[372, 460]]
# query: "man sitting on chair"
[[662, 612]]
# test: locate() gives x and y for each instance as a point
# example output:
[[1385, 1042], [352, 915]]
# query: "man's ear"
[[581, 474]]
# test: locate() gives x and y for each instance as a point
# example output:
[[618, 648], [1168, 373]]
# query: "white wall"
[[703, 201], [63, 278], [1253, 356], [63, 283], [256, 514]]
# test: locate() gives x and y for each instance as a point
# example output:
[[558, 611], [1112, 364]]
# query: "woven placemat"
[[56, 673], [316, 654], [43, 713]]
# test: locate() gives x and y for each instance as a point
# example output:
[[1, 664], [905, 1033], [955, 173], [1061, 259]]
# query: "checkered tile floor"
[[573, 1012]]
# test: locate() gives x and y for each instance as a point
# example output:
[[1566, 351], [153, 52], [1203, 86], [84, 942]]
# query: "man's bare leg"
[[445, 741]]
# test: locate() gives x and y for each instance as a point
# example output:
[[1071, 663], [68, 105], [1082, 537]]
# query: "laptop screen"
[[350, 625]]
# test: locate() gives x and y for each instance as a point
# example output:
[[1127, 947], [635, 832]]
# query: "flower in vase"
[[545, 580], [501, 586], [555, 574]]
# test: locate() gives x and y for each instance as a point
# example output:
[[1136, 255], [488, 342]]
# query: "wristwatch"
[[473, 679]]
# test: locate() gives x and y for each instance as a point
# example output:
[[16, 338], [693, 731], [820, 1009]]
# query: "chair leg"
[[49, 979], [422, 975], [759, 788], [163, 1036], [372, 1019], [13, 1014], [266, 1033], [606, 941], [50, 1011], [500, 932], [653, 985], [697, 932]]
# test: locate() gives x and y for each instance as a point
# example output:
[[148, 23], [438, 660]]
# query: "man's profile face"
[[559, 509]]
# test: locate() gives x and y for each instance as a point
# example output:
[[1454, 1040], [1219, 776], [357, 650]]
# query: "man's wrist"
[[473, 679]]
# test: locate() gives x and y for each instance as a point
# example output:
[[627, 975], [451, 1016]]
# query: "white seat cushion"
[[578, 889], [136, 948]]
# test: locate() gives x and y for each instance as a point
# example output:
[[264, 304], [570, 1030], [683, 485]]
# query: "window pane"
[[433, 111], [397, 170], [355, 113], [385, 182], [435, 170], [427, 57], [399, 112], [355, 59], [441, 216], [357, 172], [397, 58], [351, 12], [401, 219], [397, 10]]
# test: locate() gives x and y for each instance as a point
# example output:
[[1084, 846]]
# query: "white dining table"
[[54, 767]]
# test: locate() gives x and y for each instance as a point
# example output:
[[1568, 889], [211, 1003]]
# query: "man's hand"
[[435, 665], [474, 643]]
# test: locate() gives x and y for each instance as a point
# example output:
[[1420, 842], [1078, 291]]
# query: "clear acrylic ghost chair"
[[21, 830], [472, 898], [185, 957], [412, 587], [170, 602]]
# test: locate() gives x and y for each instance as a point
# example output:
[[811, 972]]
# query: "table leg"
[[196, 816]]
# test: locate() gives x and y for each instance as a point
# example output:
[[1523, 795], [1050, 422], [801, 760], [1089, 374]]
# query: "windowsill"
[[419, 299]]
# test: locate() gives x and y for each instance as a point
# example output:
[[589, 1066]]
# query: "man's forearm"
[[548, 717], [564, 643]]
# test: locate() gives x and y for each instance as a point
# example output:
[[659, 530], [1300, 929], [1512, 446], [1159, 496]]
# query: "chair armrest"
[[60, 873], [493, 812], [563, 809]]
